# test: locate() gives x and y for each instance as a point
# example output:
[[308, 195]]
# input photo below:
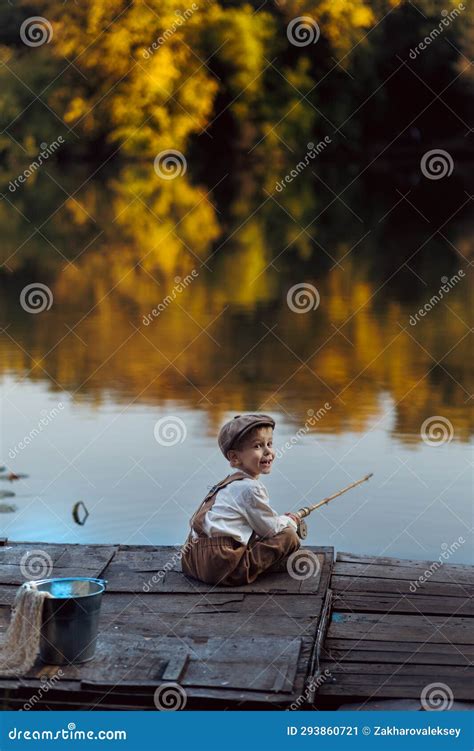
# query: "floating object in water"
[[76, 513], [7, 508], [6, 493], [13, 476]]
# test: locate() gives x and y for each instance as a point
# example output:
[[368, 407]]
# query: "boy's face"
[[256, 454]]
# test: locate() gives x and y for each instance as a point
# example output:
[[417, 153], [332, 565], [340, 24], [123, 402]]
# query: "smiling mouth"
[[266, 462]]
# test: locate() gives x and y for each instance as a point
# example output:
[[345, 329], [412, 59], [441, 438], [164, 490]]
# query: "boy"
[[235, 534]]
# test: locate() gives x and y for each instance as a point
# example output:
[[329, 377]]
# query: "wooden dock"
[[353, 631]]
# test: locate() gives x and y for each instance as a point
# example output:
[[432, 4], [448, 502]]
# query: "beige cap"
[[236, 428]]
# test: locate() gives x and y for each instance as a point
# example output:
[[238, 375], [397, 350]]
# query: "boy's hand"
[[295, 518]]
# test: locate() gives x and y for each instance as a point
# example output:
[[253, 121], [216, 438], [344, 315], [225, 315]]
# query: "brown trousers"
[[227, 562]]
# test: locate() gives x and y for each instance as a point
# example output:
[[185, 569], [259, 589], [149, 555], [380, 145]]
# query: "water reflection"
[[217, 276]]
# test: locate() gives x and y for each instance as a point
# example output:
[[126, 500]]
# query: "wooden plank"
[[164, 601], [314, 669], [123, 580], [254, 664], [385, 561], [279, 605], [30, 685], [118, 602], [92, 560], [24, 562], [317, 584], [375, 602], [365, 672], [149, 559], [396, 645], [176, 666], [457, 657], [443, 573], [396, 651], [421, 628], [398, 586], [13, 553], [407, 681], [202, 625]]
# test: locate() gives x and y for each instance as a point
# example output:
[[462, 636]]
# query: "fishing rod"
[[307, 510]]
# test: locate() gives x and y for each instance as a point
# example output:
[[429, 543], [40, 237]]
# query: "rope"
[[20, 647]]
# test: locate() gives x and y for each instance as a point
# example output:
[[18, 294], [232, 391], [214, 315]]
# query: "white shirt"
[[241, 508]]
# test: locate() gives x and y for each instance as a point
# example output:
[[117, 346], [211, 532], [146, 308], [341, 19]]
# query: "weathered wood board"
[[396, 627]]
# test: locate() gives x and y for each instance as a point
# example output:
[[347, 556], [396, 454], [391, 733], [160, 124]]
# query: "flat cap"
[[230, 433]]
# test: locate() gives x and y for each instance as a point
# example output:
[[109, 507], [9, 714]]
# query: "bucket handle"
[[104, 582]]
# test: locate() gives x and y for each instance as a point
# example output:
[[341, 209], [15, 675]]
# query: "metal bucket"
[[70, 619]]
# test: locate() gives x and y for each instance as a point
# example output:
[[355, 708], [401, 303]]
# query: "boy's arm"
[[260, 515]]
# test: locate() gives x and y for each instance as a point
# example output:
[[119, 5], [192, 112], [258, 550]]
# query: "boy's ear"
[[233, 457]]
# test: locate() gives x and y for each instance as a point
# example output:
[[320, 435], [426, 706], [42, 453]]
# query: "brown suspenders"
[[198, 519]]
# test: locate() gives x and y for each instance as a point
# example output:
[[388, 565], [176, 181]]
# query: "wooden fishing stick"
[[307, 510]]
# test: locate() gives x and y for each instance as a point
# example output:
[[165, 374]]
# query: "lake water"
[[355, 383]]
